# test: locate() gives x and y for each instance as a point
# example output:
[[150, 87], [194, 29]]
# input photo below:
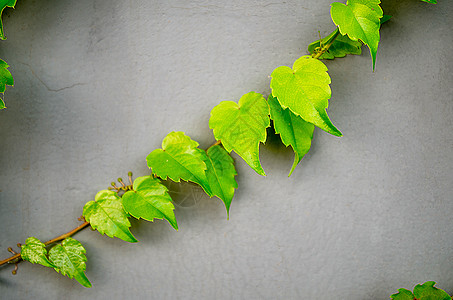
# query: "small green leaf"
[[359, 19], [221, 174], [3, 4], [69, 259], [293, 130], [35, 252], [403, 294], [149, 200], [427, 291], [5, 76], [242, 126], [107, 215], [305, 90], [2, 104], [340, 47], [431, 1], [179, 159]]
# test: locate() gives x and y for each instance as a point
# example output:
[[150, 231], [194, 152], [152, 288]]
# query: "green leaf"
[[106, 214], [2, 104], [340, 47], [293, 130], [359, 19], [69, 259], [305, 91], [149, 200], [403, 294], [431, 1], [35, 252], [5, 76], [427, 291], [3, 4], [242, 126], [179, 159], [220, 174]]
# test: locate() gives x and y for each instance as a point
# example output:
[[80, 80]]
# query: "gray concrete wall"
[[100, 83]]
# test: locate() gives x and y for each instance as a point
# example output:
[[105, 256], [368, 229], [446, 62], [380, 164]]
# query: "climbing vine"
[[297, 104]]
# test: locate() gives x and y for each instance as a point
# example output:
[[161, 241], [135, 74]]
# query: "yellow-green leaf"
[[149, 200], [69, 259], [242, 126], [360, 20], [220, 174], [293, 130], [35, 252], [179, 159], [107, 215], [305, 90], [5, 76]]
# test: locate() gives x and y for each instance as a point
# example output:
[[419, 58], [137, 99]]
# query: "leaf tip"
[[130, 238], [228, 211], [175, 226]]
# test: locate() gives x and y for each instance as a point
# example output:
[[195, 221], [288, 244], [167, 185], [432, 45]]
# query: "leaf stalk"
[[328, 44]]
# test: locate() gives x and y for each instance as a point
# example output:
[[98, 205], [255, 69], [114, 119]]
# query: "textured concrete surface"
[[100, 83]]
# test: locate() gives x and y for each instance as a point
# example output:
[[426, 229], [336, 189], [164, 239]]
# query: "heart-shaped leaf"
[[149, 200], [179, 159], [359, 19], [242, 126], [35, 252], [305, 90], [107, 215], [69, 259]]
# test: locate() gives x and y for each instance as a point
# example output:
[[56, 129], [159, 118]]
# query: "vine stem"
[[219, 142], [72, 232], [57, 239], [68, 234], [329, 43]]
